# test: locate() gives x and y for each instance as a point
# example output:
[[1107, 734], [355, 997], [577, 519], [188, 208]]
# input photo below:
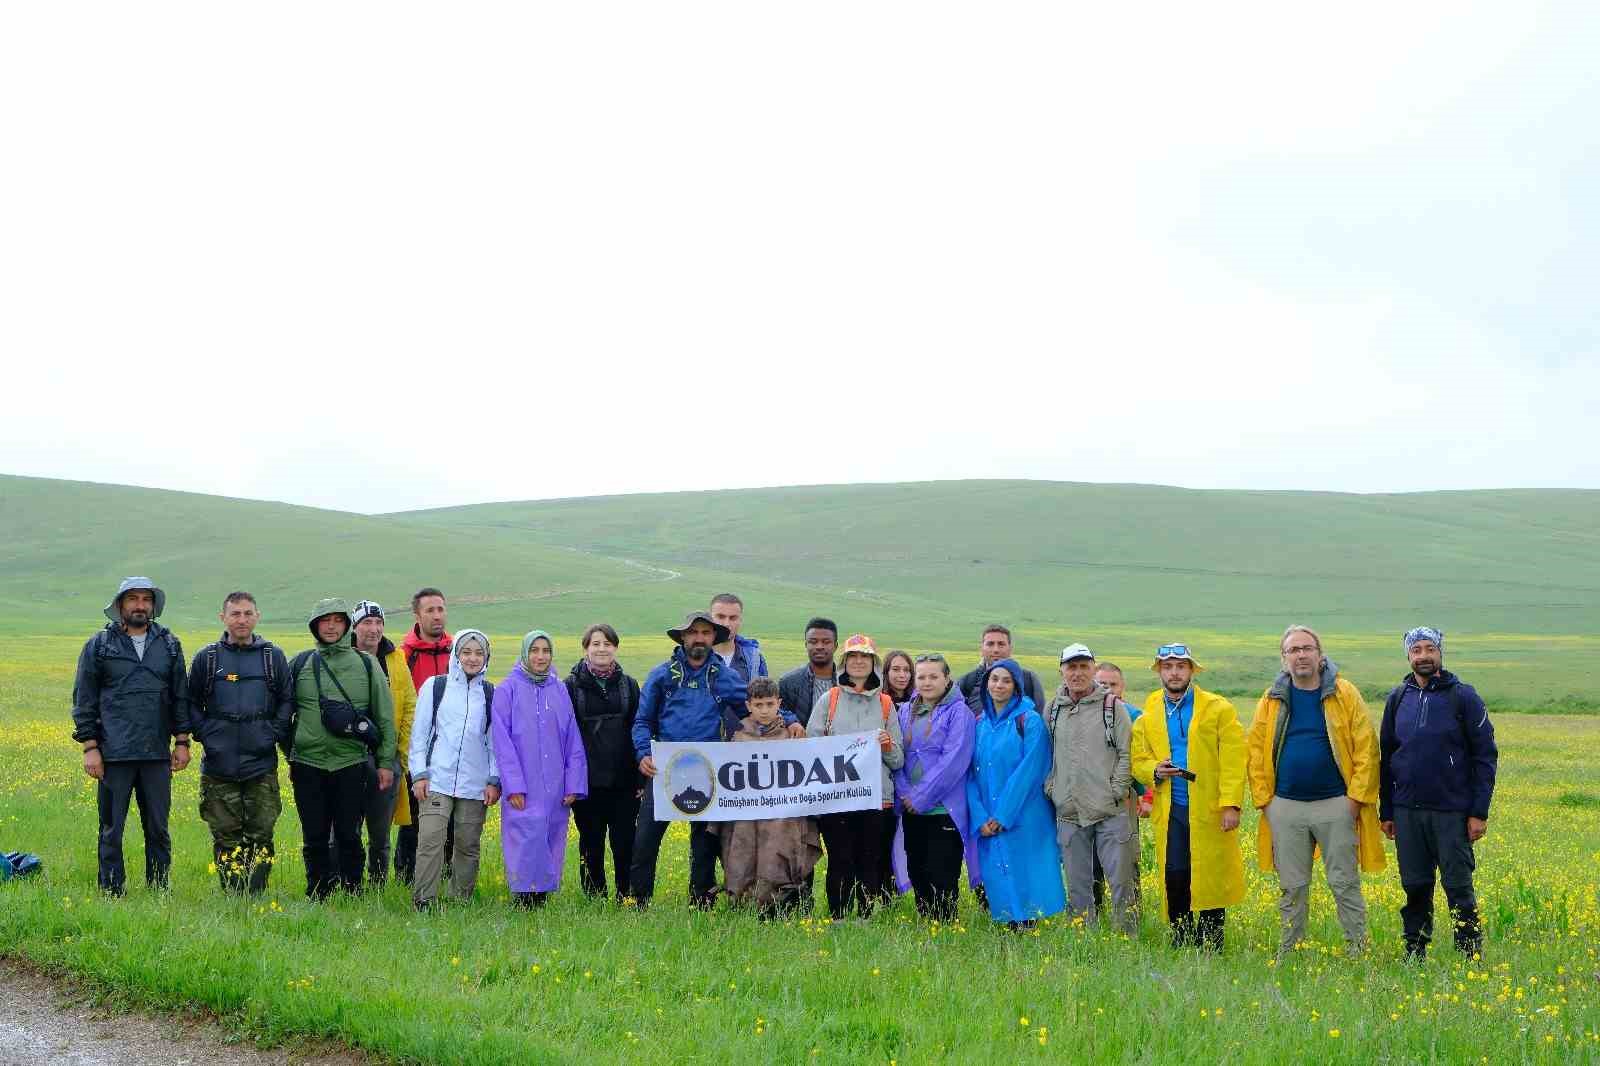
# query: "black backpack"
[[439, 682], [211, 660]]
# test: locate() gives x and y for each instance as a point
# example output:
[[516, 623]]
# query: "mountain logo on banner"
[[691, 782]]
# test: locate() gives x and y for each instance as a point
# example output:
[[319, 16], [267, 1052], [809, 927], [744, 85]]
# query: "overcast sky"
[[385, 256]]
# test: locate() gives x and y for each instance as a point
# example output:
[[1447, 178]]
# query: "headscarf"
[[1425, 633], [477, 636], [527, 642], [1012, 667]]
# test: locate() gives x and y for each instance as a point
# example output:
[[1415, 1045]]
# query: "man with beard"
[[427, 654], [801, 687], [242, 708], [131, 696], [1437, 762], [682, 700], [1189, 747]]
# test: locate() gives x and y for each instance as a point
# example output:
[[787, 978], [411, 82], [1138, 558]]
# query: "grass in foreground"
[[482, 984]]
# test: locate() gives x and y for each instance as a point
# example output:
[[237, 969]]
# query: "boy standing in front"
[[768, 861]]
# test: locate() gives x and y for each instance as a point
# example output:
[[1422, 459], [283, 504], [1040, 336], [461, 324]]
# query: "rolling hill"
[[1515, 573]]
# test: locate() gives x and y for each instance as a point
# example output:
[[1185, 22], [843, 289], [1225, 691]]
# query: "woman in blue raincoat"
[[1016, 826]]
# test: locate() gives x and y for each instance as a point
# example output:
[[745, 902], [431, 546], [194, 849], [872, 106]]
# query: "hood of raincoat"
[[456, 672], [1014, 668], [331, 605], [113, 609]]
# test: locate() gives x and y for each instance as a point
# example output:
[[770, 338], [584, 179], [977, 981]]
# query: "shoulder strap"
[[488, 702], [1392, 704], [1020, 725], [1110, 709], [297, 666], [211, 671], [833, 706], [411, 657], [580, 699], [438, 682], [888, 706], [266, 665]]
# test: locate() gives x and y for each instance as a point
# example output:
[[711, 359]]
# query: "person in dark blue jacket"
[[130, 711], [1437, 760], [241, 705], [683, 699], [743, 654]]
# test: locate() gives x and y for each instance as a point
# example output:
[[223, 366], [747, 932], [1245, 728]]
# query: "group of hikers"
[[986, 769]]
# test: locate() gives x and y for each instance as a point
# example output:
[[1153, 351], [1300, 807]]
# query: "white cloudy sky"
[[382, 256]]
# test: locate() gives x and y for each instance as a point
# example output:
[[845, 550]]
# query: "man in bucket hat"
[[129, 701], [682, 700], [1188, 745]]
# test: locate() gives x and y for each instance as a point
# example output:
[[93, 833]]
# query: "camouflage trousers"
[[241, 815]]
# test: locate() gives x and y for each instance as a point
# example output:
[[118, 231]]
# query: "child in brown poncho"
[[768, 862]]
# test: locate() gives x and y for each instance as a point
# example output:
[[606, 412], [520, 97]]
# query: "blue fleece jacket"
[[679, 702], [1436, 749]]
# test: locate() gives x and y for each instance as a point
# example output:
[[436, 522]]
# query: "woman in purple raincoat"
[[932, 786], [543, 771]]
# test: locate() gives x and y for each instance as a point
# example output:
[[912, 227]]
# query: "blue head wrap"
[[1425, 633], [1012, 667]]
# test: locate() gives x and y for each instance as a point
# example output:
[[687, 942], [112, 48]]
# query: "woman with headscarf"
[[453, 770], [543, 770], [1006, 805]]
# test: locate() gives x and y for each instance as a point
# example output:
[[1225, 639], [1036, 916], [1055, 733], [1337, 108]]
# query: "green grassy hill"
[[1512, 575]]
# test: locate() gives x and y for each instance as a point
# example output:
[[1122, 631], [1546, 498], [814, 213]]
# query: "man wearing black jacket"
[[130, 711], [242, 706], [994, 645], [799, 689], [1436, 771]]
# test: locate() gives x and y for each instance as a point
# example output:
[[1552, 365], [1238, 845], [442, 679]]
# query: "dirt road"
[[43, 1023]]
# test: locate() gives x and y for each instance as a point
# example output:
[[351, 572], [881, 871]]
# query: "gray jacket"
[[861, 712], [1089, 779]]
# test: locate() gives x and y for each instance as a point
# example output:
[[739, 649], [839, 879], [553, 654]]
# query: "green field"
[[483, 984], [1511, 576]]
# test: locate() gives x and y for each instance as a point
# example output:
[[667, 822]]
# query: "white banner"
[[749, 780]]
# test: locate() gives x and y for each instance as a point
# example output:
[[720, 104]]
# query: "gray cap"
[[114, 608]]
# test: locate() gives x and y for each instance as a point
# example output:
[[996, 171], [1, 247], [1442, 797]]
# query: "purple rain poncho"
[[540, 755]]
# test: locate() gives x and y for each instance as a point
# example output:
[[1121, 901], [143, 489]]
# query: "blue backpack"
[[18, 864]]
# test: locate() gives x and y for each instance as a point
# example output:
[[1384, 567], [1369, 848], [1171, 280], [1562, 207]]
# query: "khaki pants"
[[1107, 840], [1297, 828], [434, 815]]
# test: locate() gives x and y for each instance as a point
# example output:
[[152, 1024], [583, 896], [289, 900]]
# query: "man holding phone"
[[1189, 747]]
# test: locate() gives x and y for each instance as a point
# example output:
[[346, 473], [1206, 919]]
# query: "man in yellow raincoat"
[[1313, 764], [1188, 747]]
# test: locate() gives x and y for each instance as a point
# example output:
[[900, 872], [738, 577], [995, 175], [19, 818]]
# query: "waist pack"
[[341, 718]]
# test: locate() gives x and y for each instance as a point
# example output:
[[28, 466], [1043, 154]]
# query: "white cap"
[[1076, 651]]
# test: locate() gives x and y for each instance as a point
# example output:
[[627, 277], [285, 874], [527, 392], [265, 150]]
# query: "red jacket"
[[426, 658]]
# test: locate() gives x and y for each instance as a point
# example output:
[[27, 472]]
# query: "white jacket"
[[452, 750]]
